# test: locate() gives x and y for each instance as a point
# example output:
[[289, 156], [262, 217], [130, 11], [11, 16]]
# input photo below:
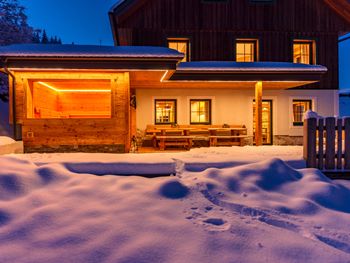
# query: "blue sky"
[[344, 64], [78, 21]]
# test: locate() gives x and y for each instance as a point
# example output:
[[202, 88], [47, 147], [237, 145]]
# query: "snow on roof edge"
[[344, 91], [248, 66], [89, 51]]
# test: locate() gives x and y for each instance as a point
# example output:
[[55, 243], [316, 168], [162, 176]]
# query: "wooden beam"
[[258, 113]]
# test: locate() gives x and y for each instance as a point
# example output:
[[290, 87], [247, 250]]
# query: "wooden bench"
[[184, 135], [171, 140]]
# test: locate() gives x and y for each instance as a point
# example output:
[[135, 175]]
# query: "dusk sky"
[[78, 21]]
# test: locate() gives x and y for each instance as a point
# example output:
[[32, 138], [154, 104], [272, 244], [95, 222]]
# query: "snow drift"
[[262, 212]]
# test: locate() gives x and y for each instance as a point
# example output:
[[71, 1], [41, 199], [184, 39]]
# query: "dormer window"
[[304, 51], [246, 50], [182, 45]]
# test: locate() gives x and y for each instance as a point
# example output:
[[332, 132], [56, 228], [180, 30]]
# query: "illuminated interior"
[[181, 45], [200, 111], [266, 121], [299, 109], [302, 52], [165, 111], [56, 99], [246, 51]]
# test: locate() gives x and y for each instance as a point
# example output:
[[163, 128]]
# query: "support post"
[[258, 113]]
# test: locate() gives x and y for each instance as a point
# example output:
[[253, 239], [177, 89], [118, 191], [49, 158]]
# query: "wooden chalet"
[[188, 66]]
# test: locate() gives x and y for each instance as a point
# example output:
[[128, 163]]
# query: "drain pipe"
[[14, 116]]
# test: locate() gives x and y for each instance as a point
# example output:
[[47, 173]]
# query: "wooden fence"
[[327, 145]]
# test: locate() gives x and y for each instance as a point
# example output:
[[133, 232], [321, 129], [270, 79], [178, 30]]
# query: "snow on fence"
[[327, 144]]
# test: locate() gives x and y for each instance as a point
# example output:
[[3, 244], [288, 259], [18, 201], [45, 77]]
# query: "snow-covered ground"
[[8, 145], [252, 208]]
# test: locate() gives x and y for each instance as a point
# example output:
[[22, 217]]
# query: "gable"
[[124, 8]]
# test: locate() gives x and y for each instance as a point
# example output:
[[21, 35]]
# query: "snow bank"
[[197, 159], [8, 146], [6, 140], [261, 212], [312, 114]]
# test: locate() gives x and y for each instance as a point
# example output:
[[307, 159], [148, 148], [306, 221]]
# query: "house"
[[256, 63]]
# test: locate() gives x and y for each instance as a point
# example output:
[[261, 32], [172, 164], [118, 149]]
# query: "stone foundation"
[[118, 148], [287, 140]]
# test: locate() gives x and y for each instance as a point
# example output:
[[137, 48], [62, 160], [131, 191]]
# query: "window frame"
[[312, 49], [210, 112], [253, 41], [297, 123], [155, 111], [185, 40]]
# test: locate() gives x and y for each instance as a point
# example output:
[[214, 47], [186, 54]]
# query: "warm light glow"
[[165, 74], [72, 90]]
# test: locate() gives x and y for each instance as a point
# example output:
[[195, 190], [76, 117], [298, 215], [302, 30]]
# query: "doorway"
[[267, 135]]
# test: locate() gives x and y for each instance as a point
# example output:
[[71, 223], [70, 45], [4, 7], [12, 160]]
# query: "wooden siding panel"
[[213, 27]]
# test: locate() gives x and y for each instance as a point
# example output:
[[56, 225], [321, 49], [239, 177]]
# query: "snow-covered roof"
[[117, 4], [87, 51], [344, 91], [226, 66]]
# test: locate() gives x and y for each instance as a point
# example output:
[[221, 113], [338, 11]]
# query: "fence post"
[[330, 143], [347, 144], [339, 143], [320, 143], [310, 142]]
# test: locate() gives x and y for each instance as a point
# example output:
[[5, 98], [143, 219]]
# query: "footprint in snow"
[[216, 224]]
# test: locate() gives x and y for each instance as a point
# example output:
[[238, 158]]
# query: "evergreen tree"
[[44, 38], [36, 36]]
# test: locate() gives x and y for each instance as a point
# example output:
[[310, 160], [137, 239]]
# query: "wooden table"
[[175, 137]]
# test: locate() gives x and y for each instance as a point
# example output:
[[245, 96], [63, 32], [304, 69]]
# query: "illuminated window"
[[303, 52], [200, 111], [165, 111], [299, 109], [68, 99], [246, 50], [181, 45]]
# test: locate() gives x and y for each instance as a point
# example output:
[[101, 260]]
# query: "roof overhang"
[[88, 57], [251, 71]]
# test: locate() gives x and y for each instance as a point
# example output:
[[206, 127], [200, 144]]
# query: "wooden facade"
[[81, 130], [213, 27]]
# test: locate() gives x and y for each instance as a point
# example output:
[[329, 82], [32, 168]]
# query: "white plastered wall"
[[235, 106]]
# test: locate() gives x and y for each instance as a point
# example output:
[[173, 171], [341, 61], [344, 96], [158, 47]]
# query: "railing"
[[327, 144]]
